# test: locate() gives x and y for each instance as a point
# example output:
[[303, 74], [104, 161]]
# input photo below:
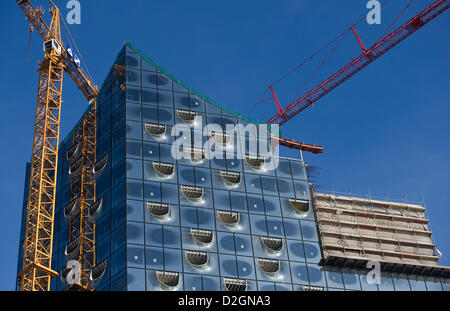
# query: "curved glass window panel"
[[311, 288], [165, 99], [167, 279], [246, 267], [284, 168], [266, 286], [163, 169], [149, 97], [351, 279], [258, 224], [433, 284], [253, 183], [169, 193], [191, 193], [270, 267], [188, 217], [134, 189], [192, 282], [312, 252], [186, 174], [72, 207], [134, 169], [256, 162], [154, 129], [165, 116], [147, 66], [196, 103], [118, 238], [149, 79], [181, 100], [135, 279], [152, 191], [206, 219], [187, 116], [386, 282], [202, 237], [255, 204], [316, 275], [309, 230], [243, 244], [134, 149], [98, 271], [173, 259], [235, 285], [296, 251], [195, 154], [150, 114], [135, 233], [334, 278], [285, 187], [225, 242], [133, 94], [197, 259], [417, 283], [151, 151], [102, 226], [211, 283], [228, 265], [234, 164], [73, 151], [238, 202], [298, 205], [135, 211], [95, 208], [202, 177], [133, 112], [298, 170], [231, 178], [72, 248], [153, 235], [301, 189], [272, 245], [228, 218], [100, 165], [158, 210], [269, 185], [171, 236], [275, 226], [135, 256], [133, 60], [401, 282], [154, 258], [272, 206], [164, 82], [221, 199]]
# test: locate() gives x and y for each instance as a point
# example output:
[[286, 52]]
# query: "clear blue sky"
[[385, 130]]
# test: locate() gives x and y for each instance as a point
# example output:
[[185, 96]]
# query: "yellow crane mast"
[[37, 256]]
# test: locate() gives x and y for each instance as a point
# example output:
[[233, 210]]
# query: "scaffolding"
[[354, 230]]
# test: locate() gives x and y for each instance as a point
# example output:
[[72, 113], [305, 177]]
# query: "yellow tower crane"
[[37, 256]]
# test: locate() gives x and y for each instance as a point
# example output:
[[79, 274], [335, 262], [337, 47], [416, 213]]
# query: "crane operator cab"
[[52, 45]]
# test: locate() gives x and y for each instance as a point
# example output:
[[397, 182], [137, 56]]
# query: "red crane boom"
[[368, 56]]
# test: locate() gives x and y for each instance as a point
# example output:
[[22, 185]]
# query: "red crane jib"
[[379, 48]]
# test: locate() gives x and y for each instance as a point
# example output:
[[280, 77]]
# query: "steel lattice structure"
[[36, 269]]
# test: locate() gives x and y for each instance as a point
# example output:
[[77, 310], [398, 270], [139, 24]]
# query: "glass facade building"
[[190, 224]]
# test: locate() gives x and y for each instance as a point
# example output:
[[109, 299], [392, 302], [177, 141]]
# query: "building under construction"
[[126, 214]]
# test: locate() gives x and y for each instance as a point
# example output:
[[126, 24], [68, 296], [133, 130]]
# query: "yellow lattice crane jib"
[[37, 256]]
